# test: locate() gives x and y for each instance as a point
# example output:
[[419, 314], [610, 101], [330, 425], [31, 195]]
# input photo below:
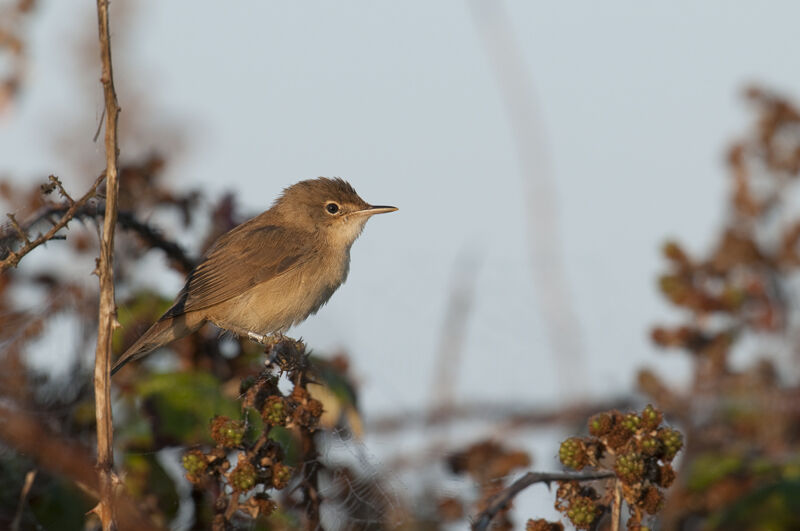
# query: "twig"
[[311, 465], [152, 238], [22, 234], [501, 500], [514, 413], [453, 335], [99, 125], [125, 219], [310, 483], [55, 183], [616, 510], [23, 497], [107, 315], [13, 257]]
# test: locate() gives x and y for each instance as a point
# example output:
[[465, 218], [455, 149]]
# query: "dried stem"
[[125, 220], [13, 257], [55, 182], [23, 499], [502, 499], [107, 314], [310, 486], [556, 306], [453, 335], [616, 510], [22, 234], [515, 414], [311, 465]]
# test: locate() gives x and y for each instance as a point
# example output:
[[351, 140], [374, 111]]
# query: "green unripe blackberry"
[[281, 474], [274, 412], [650, 445], [572, 453], [651, 417], [582, 512], [629, 467], [600, 424], [243, 477], [672, 441], [631, 422], [195, 463], [227, 432]]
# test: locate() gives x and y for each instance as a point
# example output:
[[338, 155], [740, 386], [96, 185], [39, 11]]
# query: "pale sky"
[[638, 102]]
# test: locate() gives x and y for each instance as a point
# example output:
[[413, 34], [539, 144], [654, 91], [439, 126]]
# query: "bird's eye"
[[332, 208]]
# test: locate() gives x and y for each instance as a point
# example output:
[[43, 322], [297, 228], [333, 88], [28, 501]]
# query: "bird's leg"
[[258, 338], [243, 332]]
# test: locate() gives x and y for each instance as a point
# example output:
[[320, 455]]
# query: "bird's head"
[[330, 206]]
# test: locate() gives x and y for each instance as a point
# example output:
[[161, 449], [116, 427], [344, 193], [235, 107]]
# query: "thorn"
[[21, 233]]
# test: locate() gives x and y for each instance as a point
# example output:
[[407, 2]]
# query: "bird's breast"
[[278, 303]]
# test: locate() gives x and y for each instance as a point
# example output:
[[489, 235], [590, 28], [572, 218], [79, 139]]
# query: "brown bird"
[[270, 272]]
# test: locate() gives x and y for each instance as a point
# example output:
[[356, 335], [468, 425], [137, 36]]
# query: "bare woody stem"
[[502, 499], [105, 270], [616, 510]]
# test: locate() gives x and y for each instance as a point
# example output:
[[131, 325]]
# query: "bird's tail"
[[163, 331]]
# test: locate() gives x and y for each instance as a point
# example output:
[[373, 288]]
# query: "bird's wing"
[[250, 254]]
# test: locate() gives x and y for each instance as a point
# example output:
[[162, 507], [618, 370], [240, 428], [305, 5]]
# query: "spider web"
[[355, 492]]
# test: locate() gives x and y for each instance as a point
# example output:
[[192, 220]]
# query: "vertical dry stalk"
[[23, 499], [107, 317], [616, 509], [552, 288]]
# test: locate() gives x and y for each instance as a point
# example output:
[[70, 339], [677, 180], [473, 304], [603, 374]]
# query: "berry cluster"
[[540, 524], [580, 503], [260, 463], [637, 448]]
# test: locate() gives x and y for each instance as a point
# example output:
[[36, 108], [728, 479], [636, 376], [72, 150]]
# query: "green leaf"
[[774, 507], [708, 469], [180, 405], [146, 478]]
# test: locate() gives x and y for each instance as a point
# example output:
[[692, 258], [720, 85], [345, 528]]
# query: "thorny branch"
[[152, 238], [125, 219], [107, 315], [501, 501], [13, 257], [311, 466], [513, 414]]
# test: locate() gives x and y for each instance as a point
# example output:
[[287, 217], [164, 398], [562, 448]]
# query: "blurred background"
[[540, 155]]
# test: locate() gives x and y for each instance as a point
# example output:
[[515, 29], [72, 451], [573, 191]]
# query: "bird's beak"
[[374, 209]]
